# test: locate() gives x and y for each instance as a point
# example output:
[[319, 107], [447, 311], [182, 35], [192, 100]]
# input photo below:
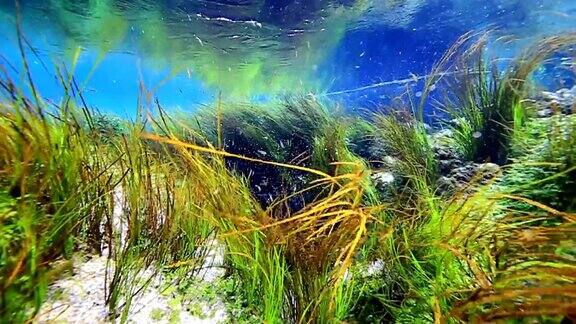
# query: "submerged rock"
[[375, 268], [383, 180], [562, 101], [447, 156], [470, 172]]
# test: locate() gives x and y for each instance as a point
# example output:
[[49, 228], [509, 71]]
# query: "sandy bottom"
[[80, 298]]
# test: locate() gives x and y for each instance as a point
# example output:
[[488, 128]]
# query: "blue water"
[[189, 52]]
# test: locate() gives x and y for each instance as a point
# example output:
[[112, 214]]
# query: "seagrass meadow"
[[319, 216], [294, 210]]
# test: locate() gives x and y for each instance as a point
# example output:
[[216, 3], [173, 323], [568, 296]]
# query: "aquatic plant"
[[362, 141], [156, 203], [520, 268], [68, 187], [545, 169], [443, 257], [158, 223], [108, 125], [414, 159], [313, 246], [299, 130], [52, 178], [477, 259], [486, 105]]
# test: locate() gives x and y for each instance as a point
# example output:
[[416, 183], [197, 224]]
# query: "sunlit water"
[[360, 53]]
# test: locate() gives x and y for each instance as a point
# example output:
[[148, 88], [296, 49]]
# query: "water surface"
[[361, 53]]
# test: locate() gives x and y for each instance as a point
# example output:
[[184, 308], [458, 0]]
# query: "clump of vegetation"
[[408, 142], [314, 245], [108, 125], [486, 105], [298, 131], [545, 169], [50, 177], [444, 259], [66, 187]]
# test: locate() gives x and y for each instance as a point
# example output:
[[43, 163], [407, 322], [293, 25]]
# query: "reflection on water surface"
[[259, 49]]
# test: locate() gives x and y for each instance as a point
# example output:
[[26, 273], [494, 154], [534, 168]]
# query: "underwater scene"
[[288, 161]]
